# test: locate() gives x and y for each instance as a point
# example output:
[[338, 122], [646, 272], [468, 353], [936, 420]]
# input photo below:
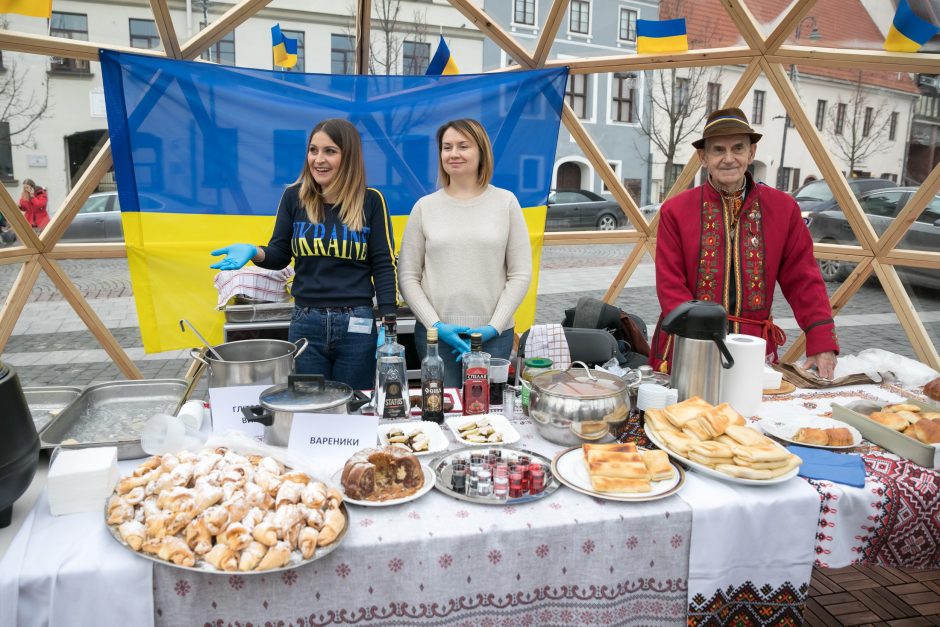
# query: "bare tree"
[[389, 34], [858, 126], [21, 108]]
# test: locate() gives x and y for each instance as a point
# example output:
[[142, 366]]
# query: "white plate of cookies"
[[482, 430], [813, 431], [716, 441], [421, 437], [618, 472]]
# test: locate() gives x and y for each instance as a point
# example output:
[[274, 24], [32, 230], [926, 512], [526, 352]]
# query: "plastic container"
[[534, 366]]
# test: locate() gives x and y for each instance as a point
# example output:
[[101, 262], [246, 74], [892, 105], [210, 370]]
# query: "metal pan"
[[113, 414], [46, 404]]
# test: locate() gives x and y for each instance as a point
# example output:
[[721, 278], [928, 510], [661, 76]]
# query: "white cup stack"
[[81, 479], [653, 396]]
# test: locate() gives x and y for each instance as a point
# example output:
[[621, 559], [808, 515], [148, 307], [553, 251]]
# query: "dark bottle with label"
[[476, 378], [393, 402], [432, 382]]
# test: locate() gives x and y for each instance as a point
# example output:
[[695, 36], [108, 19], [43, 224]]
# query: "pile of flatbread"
[[623, 468], [719, 438]]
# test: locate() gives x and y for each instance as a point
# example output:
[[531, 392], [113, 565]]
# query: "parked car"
[[99, 220], [816, 195], [881, 207], [581, 209]]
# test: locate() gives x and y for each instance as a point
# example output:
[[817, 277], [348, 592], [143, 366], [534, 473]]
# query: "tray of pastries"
[[910, 429], [219, 511], [716, 441], [815, 431], [618, 472]]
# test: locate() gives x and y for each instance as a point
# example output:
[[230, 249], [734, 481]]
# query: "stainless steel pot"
[[303, 393], [251, 362], [571, 407]]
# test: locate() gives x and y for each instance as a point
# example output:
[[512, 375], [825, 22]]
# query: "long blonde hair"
[[474, 131], [349, 184]]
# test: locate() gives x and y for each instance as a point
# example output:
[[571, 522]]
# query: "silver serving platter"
[[48, 402], [113, 414], [204, 567], [442, 473]]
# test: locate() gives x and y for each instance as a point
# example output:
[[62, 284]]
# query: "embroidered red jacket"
[[773, 246]]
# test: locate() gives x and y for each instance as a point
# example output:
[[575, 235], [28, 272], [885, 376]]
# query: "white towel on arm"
[[548, 340]]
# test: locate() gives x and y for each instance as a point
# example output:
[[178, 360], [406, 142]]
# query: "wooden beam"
[[164, 23], [569, 238], [840, 251], [86, 184], [731, 55], [556, 15], [749, 28], [626, 271], [912, 210], [817, 148], [16, 299], [90, 318], [60, 47], [494, 31], [214, 32], [907, 315], [788, 24], [88, 251], [17, 220], [363, 35], [16, 255], [912, 258], [880, 60]]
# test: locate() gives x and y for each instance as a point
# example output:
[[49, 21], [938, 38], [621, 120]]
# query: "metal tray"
[[47, 403], [112, 414], [921, 454], [260, 312], [442, 473]]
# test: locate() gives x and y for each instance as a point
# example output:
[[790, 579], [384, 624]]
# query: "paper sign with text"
[[226, 406], [326, 441]]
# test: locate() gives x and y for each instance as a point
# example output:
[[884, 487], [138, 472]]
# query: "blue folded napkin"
[[847, 468]]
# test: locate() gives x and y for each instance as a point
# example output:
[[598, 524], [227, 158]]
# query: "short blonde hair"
[[349, 185], [474, 131]]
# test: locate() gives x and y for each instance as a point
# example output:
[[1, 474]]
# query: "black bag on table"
[[628, 329]]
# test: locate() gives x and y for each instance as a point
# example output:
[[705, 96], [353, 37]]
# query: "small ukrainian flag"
[[443, 62], [34, 8], [908, 31], [285, 49], [661, 36]]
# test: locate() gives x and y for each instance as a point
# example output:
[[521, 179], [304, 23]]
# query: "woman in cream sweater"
[[465, 260]]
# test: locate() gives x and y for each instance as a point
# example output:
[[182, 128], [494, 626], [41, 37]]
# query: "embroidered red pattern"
[[752, 253], [709, 267]]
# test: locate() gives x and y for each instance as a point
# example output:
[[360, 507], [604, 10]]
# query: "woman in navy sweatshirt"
[[339, 234]]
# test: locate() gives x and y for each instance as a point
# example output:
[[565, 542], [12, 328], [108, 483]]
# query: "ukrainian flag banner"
[[908, 31], [661, 36], [442, 62], [198, 168], [285, 48], [32, 8]]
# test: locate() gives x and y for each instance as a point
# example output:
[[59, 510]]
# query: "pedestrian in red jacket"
[[33, 204]]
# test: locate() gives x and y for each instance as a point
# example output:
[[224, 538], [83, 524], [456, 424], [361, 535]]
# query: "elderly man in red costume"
[[731, 240]]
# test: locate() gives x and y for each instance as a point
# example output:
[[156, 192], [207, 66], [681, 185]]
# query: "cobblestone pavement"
[[50, 345]]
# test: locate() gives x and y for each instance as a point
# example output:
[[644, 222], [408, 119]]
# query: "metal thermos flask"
[[699, 354]]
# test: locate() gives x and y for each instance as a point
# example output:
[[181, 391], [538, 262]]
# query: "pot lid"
[[305, 393], [579, 383]]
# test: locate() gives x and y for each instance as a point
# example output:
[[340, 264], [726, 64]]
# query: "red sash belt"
[[772, 334]]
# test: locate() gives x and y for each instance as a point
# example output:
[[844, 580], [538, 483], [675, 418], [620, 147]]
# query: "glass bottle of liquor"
[[432, 382], [391, 376], [476, 378]]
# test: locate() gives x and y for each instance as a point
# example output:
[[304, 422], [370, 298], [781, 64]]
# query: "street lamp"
[[813, 36]]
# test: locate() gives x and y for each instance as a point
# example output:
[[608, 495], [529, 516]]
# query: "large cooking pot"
[[19, 443], [303, 393], [251, 362], [578, 405]]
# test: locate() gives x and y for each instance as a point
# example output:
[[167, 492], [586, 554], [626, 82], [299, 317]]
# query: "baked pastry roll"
[[307, 542], [840, 436], [767, 453], [626, 447], [708, 461], [601, 457], [676, 441], [177, 551], [694, 430], [747, 436], [711, 449], [743, 472], [734, 418], [658, 465], [761, 465], [658, 419], [628, 470], [724, 438], [681, 413], [809, 435], [900, 407], [251, 556], [713, 423], [223, 557], [619, 484], [792, 463], [133, 532], [333, 524], [890, 420]]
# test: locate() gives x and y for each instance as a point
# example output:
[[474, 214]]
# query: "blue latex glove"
[[450, 335], [237, 256], [380, 340], [488, 332]]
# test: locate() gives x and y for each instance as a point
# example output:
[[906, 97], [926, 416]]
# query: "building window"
[[623, 98], [784, 176], [342, 54], [713, 102], [820, 114], [221, 52], [144, 34], [579, 17], [416, 57], [681, 94], [615, 166], [757, 115], [627, 25], [6, 152], [893, 126], [840, 117], [576, 94], [69, 26], [869, 118], [523, 12], [891, 177], [300, 65]]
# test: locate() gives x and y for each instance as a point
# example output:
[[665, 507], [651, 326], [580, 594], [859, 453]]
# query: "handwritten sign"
[[326, 441], [226, 406]]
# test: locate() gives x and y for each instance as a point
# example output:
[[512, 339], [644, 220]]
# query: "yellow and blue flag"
[[661, 36], [908, 31], [285, 48], [197, 168], [33, 8], [442, 62]]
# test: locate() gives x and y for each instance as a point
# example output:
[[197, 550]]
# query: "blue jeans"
[[500, 346], [333, 351]]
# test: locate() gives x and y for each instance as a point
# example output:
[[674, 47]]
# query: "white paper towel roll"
[[743, 384]]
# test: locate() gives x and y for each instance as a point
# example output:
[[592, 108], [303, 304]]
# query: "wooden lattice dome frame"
[[761, 54]]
